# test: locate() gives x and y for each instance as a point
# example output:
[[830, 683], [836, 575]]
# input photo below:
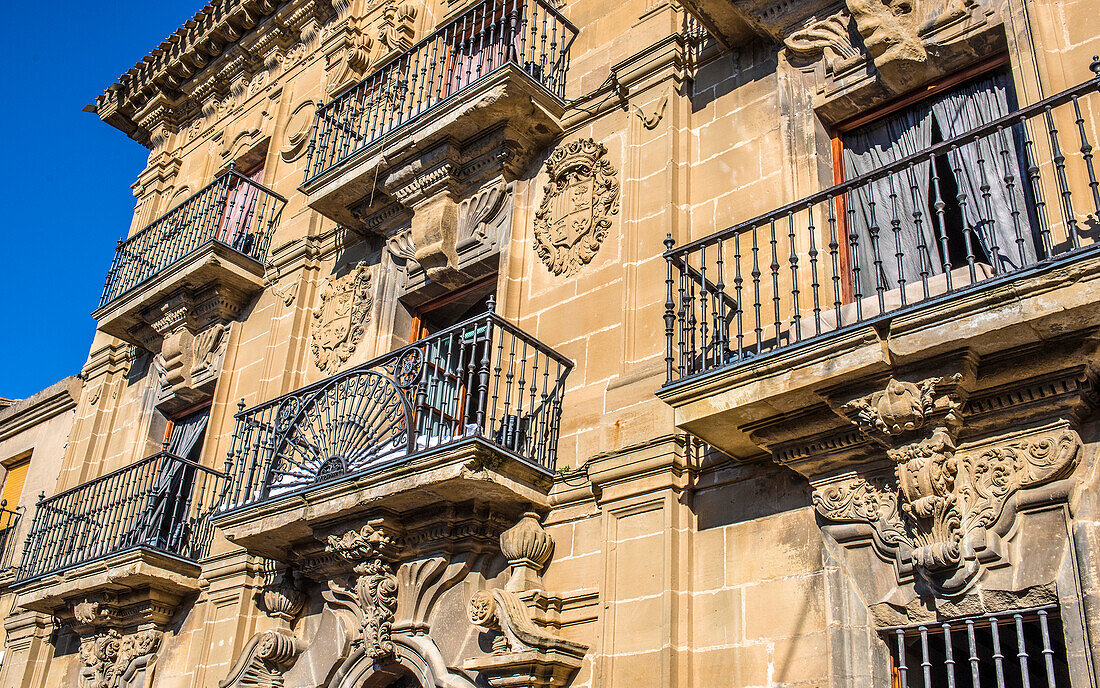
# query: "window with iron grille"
[[1023, 648]]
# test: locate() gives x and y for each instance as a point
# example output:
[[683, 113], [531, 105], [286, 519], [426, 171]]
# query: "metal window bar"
[[232, 210], [528, 34], [1013, 649], [160, 503], [9, 522], [794, 274], [480, 380]]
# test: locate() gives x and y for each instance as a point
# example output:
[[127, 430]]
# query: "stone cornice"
[[224, 38], [50, 402]]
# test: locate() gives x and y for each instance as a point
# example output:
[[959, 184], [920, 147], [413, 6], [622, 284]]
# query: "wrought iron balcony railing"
[[480, 380], [873, 246], [232, 210], [9, 521], [160, 503], [528, 34]]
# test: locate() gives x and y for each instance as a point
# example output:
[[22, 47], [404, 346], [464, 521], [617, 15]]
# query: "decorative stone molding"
[[944, 512], [371, 597], [339, 322], [901, 407], [264, 661], [296, 133], [112, 660], [222, 54], [282, 597], [396, 29], [527, 547], [893, 36], [483, 216], [831, 38], [423, 581], [523, 654], [579, 198]]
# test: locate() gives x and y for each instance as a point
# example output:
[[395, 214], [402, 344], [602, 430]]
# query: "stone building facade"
[[534, 343]]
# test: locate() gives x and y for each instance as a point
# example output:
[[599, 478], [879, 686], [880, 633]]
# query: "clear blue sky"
[[66, 175]]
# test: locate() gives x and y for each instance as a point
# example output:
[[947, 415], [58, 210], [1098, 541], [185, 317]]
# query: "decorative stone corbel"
[[112, 660], [523, 654], [371, 596], [264, 661], [527, 547], [944, 512], [282, 597]]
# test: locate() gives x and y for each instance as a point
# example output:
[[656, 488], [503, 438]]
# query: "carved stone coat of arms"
[[340, 320], [578, 201]]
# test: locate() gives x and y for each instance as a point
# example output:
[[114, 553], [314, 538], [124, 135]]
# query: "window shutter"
[[13, 482]]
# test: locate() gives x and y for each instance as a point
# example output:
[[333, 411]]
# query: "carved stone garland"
[[371, 596], [578, 201], [340, 320], [943, 511]]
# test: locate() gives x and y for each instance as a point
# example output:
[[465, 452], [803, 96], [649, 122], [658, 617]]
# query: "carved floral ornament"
[[940, 513], [112, 660], [371, 595], [340, 320], [579, 198]]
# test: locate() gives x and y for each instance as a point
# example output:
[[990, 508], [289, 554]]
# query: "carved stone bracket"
[[264, 661], [904, 407], [371, 595], [523, 654], [944, 512], [113, 660], [895, 37], [282, 597]]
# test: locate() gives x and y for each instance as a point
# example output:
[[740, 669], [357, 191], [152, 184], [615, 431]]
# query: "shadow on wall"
[[732, 70], [731, 492]]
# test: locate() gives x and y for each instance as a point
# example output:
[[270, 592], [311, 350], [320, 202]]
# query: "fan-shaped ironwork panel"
[[348, 425]]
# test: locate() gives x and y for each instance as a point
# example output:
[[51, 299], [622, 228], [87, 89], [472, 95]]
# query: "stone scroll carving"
[[264, 661], [944, 512], [340, 320], [113, 660], [370, 596], [578, 201], [523, 654], [891, 35]]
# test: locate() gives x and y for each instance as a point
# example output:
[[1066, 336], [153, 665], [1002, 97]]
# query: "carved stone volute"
[[527, 547], [523, 653]]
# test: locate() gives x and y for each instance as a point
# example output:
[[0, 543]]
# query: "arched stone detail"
[[417, 654]]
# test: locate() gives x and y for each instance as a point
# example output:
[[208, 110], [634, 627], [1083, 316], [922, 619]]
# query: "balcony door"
[[235, 220], [164, 522], [487, 39], [964, 208], [444, 410]]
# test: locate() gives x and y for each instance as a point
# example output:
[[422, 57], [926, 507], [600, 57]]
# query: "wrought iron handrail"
[[9, 522], [794, 273], [482, 378], [232, 210], [160, 503], [529, 34]]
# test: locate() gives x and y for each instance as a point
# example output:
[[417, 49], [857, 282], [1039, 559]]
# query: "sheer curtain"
[[890, 216], [987, 171]]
